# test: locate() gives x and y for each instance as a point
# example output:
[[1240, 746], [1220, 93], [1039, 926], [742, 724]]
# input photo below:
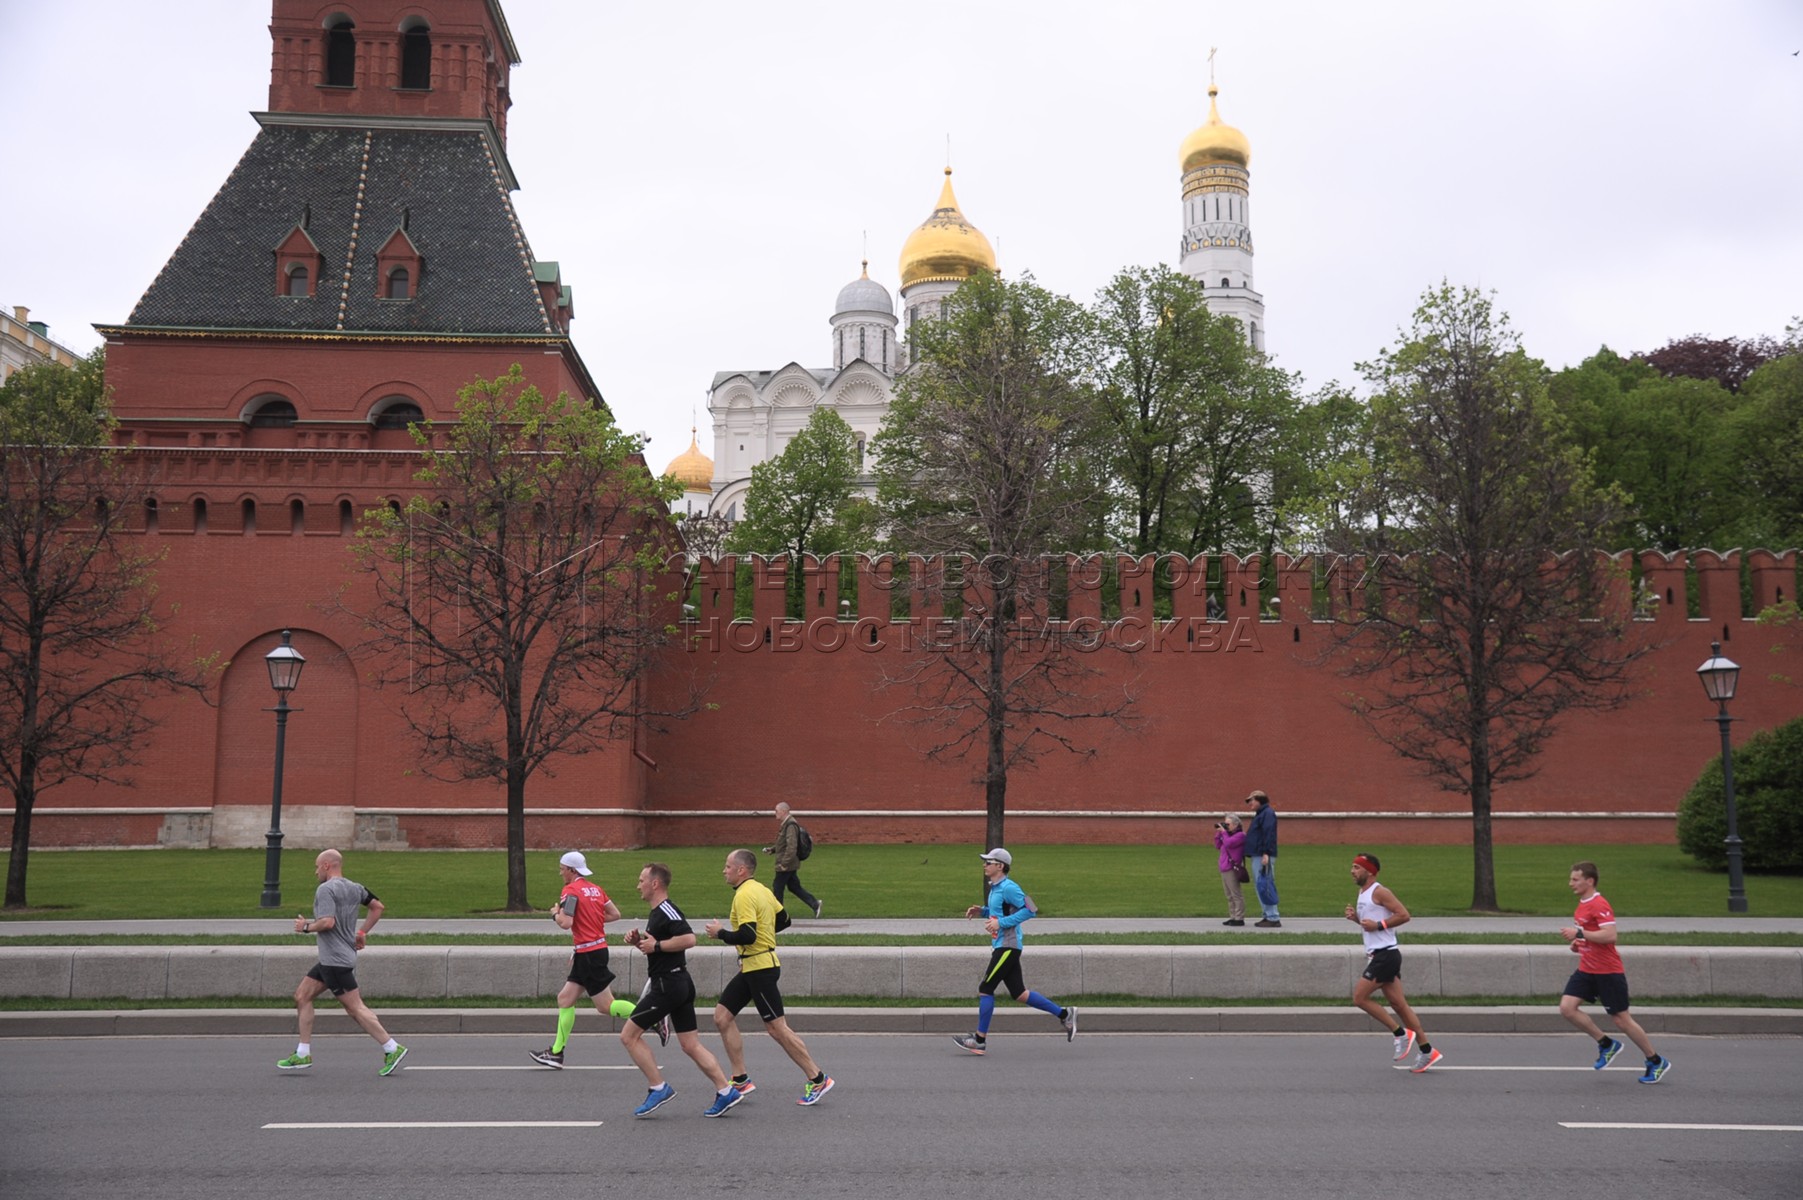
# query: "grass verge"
[[892, 881]]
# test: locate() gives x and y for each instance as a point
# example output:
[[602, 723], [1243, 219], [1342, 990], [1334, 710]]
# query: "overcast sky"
[[706, 173]]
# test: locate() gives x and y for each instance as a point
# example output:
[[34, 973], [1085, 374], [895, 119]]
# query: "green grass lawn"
[[892, 881]]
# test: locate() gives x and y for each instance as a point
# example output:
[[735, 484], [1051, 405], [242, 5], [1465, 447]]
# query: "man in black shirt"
[[669, 993]]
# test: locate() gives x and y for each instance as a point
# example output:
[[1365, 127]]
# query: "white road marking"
[[1439, 1067], [1676, 1125], [432, 1125], [541, 1070]]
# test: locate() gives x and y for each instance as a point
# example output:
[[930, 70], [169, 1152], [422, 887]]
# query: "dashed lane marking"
[[432, 1125], [1700, 1128]]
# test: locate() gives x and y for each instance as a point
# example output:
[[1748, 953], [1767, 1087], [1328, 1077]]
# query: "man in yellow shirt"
[[752, 926]]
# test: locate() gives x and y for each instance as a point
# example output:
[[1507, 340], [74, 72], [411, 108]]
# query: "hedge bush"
[[1768, 804]]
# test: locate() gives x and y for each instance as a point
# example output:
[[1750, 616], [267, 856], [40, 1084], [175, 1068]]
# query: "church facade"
[[755, 413]]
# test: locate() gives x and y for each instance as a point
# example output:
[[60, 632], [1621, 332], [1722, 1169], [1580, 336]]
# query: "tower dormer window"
[[298, 263], [399, 267], [341, 54], [416, 57]]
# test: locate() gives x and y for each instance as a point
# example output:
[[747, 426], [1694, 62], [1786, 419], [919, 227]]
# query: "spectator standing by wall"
[[1230, 847], [1261, 858]]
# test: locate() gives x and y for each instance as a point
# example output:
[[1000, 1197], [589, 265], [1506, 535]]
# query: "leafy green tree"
[[1483, 619], [80, 656], [1192, 418], [1768, 448], [1326, 460], [983, 457], [797, 499], [517, 596], [1768, 804]]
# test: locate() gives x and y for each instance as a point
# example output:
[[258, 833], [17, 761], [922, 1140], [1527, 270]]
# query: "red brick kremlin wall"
[[1225, 706]]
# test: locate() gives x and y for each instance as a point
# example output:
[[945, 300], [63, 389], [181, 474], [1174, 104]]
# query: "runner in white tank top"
[[1378, 912]]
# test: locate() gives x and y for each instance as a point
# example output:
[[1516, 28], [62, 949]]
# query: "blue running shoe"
[[1656, 1069], [654, 1100], [812, 1093], [1606, 1054], [724, 1104]]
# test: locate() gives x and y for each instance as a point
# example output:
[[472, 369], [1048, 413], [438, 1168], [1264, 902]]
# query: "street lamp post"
[[1719, 676], [285, 663]]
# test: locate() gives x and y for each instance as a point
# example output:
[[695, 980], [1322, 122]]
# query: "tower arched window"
[[297, 517], [346, 518], [298, 277], [1225, 282], [341, 54], [273, 413], [400, 284], [151, 515], [398, 415], [200, 514], [416, 57], [249, 508]]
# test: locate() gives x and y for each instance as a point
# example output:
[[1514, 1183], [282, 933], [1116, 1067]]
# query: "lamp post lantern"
[[285, 663], [1720, 676]]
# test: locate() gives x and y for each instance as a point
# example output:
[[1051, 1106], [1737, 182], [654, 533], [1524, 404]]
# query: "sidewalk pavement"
[[1101, 927]]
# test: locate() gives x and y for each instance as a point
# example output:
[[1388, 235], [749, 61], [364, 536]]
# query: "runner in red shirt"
[[584, 910], [1600, 976]]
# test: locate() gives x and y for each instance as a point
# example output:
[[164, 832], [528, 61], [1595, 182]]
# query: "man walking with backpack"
[[792, 845]]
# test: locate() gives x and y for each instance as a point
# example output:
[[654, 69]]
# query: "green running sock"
[[566, 1021]]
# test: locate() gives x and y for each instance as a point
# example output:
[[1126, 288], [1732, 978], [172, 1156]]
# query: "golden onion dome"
[[946, 246], [1215, 142], [693, 469]]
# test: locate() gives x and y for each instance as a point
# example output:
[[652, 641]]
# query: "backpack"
[[804, 842]]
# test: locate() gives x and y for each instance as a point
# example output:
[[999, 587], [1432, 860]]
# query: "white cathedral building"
[[756, 413]]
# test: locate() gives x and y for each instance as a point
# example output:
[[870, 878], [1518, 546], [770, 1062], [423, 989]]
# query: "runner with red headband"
[[1378, 912]]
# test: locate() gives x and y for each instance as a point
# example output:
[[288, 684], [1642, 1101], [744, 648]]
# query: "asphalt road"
[[1248, 1116]]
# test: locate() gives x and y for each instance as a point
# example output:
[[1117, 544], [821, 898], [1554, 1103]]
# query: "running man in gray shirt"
[[334, 924]]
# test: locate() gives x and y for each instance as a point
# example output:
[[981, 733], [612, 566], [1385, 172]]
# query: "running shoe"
[[723, 1103], [392, 1060], [663, 1031], [1069, 1021], [970, 1042], [817, 907], [547, 1058], [1425, 1059], [812, 1093], [296, 1062], [1404, 1044], [1606, 1055], [1656, 1069], [655, 1099], [742, 1084]]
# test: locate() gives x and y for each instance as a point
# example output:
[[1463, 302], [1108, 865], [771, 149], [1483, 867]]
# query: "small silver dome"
[[864, 295]]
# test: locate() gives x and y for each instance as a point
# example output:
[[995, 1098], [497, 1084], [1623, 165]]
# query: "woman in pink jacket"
[[1230, 840]]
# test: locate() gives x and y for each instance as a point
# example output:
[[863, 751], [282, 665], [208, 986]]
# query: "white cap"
[[1001, 856], [575, 862]]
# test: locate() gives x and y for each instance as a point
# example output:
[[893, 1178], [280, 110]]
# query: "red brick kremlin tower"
[[360, 264]]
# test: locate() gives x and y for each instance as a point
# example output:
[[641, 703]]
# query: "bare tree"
[[80, 658], [1486, 613], [982, 462], [520, 596]]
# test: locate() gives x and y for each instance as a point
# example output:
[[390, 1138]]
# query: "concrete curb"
[[537, 1022], [1253, 972]]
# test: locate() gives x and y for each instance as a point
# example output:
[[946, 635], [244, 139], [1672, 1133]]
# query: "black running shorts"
[[757, 987]]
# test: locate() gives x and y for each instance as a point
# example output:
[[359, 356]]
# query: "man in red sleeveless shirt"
[[584, 910], [1600, 976]]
